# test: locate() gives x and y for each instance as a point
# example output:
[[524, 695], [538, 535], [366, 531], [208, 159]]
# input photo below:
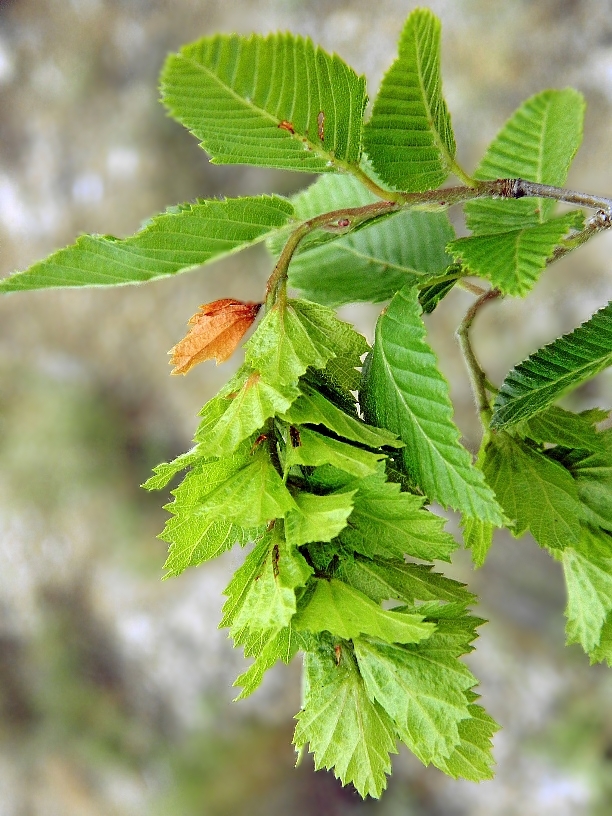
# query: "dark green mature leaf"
[[535, 492], [472, 758], [555, 369], [177, 241], [371, 264], [297, 334], [537, 143], [344, 612], [513, 261], [560, 427], [587, 566], [272, 101], [346, 731], [405, 392], [422, 687], [409, 138]]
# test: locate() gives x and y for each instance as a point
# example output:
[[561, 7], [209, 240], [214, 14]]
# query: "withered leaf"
[[217, 329]]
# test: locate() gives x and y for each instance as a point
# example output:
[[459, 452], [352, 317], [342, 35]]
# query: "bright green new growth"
[[333, 489]]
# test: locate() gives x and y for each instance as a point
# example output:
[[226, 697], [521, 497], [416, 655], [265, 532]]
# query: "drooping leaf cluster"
[[326, 455]]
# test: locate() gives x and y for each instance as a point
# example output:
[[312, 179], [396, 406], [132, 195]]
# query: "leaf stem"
[[478, 379]]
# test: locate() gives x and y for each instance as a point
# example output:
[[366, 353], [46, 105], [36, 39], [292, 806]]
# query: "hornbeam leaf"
[[422, 687], [593, 475], [554, 370], [344, 612], [587, 566], [177, 241], [166, 471], [409, 138], [313, 449], [472, 758], [478, 537], [296, 335], [384, 580], [239, 409], [391, 523], [269, 601], [251, 496], [405, 392], [272, 101], [535, 492], [346, 731], [513, 261], [267, 648], [561, 427], [537, 143], [603, 651], [317, 518], [243, 579], [312, 408]]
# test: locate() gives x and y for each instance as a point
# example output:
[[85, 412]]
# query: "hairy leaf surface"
[[272, 101], [409, 138], [537, 143], [555, 369], [405, 392], [177, 241]]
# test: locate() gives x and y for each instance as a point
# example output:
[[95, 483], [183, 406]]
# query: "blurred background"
[[115, 687]]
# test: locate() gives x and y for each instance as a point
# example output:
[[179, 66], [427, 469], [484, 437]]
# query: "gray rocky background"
[[115, 687]]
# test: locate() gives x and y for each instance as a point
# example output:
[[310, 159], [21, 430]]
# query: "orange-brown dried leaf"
[[216, 331]]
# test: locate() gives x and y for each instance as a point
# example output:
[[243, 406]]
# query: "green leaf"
[[587, 566], [315, 449], [344, 612], [251, 496], [409, 138], [239, 410], [371, 264], [268, 648], [472, 758], [346, 731], [177, 241], [554, 370], [603, 651], [268, 601], [270, 101], [478, 537], [537, 493], [561, 427], [318, 518], [513, 261], [430, 296], [384, 580], [422, 687], [537, 143], [243, 579], [166, 471], [391, 523], [297, 334], [312, 408], [593, 475], [405, 392]]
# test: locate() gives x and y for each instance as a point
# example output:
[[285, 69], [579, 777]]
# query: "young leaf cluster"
[[326, 454]]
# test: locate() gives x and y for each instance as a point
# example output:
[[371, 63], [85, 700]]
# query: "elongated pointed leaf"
[[555, 369], [344, 612], [587, 566], [317, 518], [405, 392], [345, 730], [561, 427], [267, 648], [177, 241], [535, 492], [537, 143], [478, 537], [409, 138], [272, 101], [313, 449], [513, 261]]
